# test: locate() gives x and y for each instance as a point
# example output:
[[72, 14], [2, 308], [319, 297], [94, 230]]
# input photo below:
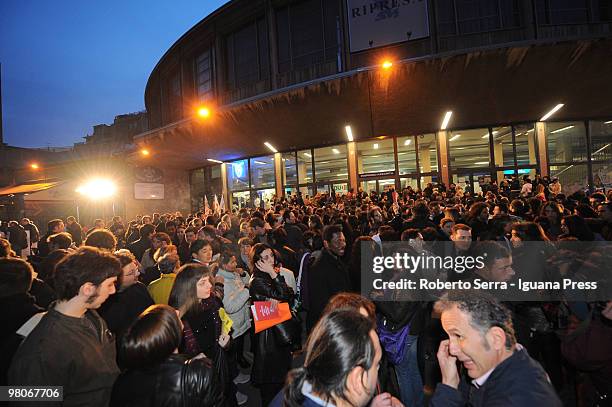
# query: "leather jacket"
[[177, 381], [272, 360]]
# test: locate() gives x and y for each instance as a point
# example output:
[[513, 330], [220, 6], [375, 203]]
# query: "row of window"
[[579, 153]]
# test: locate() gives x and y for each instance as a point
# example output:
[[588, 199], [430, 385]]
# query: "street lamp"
[[204, 112], [34, 166], [97, 190]]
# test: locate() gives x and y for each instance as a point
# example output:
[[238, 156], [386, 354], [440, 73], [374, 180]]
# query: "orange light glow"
[[387, 64], [204, 112], [34, 166], [145, 152]]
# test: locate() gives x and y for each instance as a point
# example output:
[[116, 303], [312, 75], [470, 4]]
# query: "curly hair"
[[485, 312]]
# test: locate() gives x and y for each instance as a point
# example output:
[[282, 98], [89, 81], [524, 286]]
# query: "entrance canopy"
[[486, 87], [28, 188]]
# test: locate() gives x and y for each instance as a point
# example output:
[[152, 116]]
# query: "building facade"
[[308, 78]]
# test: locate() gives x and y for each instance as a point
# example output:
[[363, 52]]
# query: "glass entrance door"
[[377, 185], [476, 182]]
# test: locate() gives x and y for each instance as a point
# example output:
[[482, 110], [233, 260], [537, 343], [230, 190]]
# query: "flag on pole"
[[206, 208], [215, 207], [222, 204]]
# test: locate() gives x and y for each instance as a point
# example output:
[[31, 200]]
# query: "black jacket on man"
[[139, 247], [327, 276], [516, 382], [76, 353], [76, 231]]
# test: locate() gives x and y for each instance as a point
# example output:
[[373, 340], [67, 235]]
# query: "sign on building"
[[375, 23], [144, 190]]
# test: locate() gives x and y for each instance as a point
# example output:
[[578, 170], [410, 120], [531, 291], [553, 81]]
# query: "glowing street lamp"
[[97, 189], [145, 152], [204, 112], [34, 166], [387, 64]]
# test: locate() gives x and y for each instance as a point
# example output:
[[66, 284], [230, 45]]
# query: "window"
[[304, 166], [477, 16], [203, 76], [306, 34], [289, 169], [602, 175], [563, 11], [502, 146], [247, 55], [262, 172], [205, 182], [331, 163], [601, 140], [241, 199], [526, 145], [566, 142], [572, 177], [238, 175], [174, 97], [601, 10], [469, 148], [455, 17], [406, 155], [375, 156], [428, 152]]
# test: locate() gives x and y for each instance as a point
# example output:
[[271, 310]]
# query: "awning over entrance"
[[28, 188]]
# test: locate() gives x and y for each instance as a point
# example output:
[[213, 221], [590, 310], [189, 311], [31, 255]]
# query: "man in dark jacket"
[[294, 233], [54, 226], [481, 337], [18, 237], [71, 346], [28, 226], [420, 217], [328, 275], [138, 248], [76, 231]]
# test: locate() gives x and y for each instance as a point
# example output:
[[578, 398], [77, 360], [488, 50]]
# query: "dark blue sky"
[[70, 64]]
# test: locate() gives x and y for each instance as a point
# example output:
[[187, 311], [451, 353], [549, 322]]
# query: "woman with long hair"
[[155, 374], [272, 359], [477, 218], [192, 295], [551, 213]]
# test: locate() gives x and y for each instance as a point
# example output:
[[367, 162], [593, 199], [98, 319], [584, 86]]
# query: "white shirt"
[[526, 190], [306, 391]]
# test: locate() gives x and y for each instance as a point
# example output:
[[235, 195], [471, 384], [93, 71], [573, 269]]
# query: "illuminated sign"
[[375, 23]]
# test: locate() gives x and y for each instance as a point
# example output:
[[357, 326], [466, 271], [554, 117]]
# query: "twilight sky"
[[68, 65]]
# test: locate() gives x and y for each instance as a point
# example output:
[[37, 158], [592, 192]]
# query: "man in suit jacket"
[[500, 371]]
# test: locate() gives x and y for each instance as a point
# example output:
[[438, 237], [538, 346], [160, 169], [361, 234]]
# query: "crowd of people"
[[157, 310]]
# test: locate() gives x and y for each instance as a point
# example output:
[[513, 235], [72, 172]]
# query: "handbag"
[[289, 333], [393, 342]]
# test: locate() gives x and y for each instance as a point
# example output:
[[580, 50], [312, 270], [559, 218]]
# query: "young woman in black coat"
[[272, 359]]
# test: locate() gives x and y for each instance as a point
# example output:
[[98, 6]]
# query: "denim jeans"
[[409, 377]]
